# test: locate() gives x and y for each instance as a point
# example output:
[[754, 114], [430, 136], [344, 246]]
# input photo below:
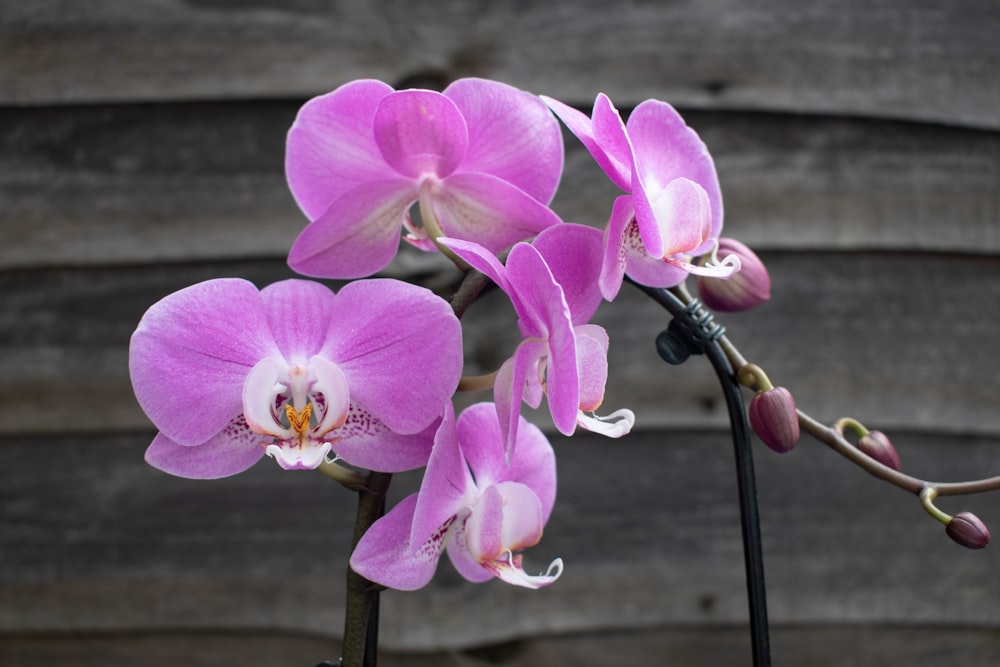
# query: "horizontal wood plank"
[[830, 646], [94, 541], [184, 182], [919, 59], [899, 341]]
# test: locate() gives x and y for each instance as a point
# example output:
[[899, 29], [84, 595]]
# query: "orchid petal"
[[512, 135], [666, 148], [592, 361], [480, 259], [234, 449], [366, 442], [615, 239], [573, 254], [298, 312], [331, 147], [400, 347], [420, 132], [447, 486], [306, 457], [384, 555], [615, 425], [619, 171], [647, 270], [610, 133], [463, 560], [484, 527], [359, 233], [186, 363], [259, 393], [331, 382], [511, 572], [488, 210], [681, 215], [509, 388]]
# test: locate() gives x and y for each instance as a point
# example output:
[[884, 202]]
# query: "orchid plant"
[[359, 383]]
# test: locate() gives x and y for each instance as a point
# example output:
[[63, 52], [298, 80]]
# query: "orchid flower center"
[[299, 407]]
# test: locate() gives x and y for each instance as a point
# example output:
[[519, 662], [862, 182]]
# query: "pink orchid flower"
[[483, 160], [551, 284], [673, 209], [228, 373], [472, 503]]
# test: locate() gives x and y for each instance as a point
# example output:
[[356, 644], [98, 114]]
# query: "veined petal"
[[681, 215], [508, 390], [618, 170], [447, 486], [610, 133], [666, 149], [484, 527], [191, 353], [645, 269], [384, 554], [358, 234], [573, 254], [480, 207], [234, 449], [512, 135], [298, 312], [481, 260], [366, 442], [420, 132], [615, 241], [331, 147], [533, 462], [400, 347], [463, 560]]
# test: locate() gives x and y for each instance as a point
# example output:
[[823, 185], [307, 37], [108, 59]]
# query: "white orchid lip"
[[299, 406]]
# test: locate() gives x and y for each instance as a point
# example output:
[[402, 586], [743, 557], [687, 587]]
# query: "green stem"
[[360, 592]]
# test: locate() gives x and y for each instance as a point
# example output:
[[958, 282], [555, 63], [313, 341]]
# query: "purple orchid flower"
[[673, 209], [472, 503], [483, 159], [551, 284], [228, 373]]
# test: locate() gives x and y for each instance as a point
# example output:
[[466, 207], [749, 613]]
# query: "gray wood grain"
[[94, 541], [923, 60], [183, 182]]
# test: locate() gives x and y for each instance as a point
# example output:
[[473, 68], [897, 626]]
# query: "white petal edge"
[[615, 425]]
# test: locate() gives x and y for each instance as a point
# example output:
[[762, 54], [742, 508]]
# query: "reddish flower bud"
[[967, 529], [747, 288], [773, 419], [876, 445]]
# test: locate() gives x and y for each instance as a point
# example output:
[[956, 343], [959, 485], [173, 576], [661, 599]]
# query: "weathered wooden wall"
[[858, 143]]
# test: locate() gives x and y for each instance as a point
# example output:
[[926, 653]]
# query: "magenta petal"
[[512, 135], [647, 270], [420, 132], [484, 527], [447, 486], [383, 554], [480, 259], [400, 347], [666, 148], [299, 314], [592, 360], [331, 147], [508, 389], [368, 443], [580, 125], [609, 131], [573, 255], [463, 560], [192, 351], [490, 211], [358, 235], [533, 462], [615, 240], [230, 451]]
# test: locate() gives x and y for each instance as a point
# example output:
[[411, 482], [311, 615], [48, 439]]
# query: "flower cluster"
[[365, 375]]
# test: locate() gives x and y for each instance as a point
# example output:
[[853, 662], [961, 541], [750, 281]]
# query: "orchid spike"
[[473, 504], [551, 284], [672, 211], [483, 160], [228, 373]]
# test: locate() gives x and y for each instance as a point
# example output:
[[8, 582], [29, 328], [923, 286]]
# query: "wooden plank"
[[183, 182], [899, 341], [692, 647], [922, 59], [96, 542]]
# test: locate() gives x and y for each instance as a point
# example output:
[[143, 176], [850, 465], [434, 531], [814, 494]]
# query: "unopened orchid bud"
[[773, 418], [876, 445], [968, 530], [747, 288]]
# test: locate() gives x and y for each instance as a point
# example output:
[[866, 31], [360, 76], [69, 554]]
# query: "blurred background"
[[858, 146]]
